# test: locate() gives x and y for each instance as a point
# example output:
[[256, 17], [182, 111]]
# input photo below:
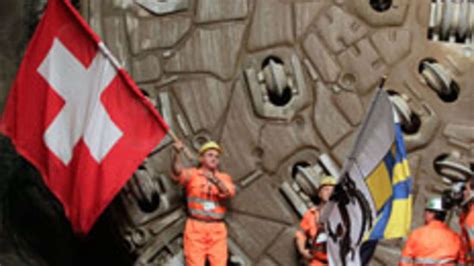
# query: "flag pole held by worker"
[[72, 112]]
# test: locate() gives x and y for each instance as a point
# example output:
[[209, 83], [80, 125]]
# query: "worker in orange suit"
[[311, 238], [205, 233], [434, 243], [467, 221]]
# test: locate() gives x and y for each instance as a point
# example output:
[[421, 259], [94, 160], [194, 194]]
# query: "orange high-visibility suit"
[[433, 244], [310, 230], [467, 225], [205, 233]]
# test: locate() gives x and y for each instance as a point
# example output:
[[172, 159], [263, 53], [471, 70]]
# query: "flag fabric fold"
[[77, 116], [372, 200], [390, 185]]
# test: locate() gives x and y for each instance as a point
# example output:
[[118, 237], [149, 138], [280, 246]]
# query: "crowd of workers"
[[205, 233]]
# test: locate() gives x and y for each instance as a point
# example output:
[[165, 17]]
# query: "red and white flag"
[[77, 116]]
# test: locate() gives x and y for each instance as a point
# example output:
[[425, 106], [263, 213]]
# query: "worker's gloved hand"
[[211, 178], [306, 254]]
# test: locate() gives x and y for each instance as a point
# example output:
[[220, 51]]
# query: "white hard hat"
[[435, 204]]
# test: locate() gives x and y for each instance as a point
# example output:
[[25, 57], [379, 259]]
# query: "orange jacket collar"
[[436, 223]]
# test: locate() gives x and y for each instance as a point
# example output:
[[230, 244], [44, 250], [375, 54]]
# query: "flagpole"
[[350, 159], [362, 127], [187, 152], [117, 65], [382, 81], [103, 48]]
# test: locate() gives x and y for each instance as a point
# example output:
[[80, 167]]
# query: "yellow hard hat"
[[327, 181], [210, 145]]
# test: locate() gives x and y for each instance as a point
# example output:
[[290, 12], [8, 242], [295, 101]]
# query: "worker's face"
[[325, 193], [429, 216], [210, 159]]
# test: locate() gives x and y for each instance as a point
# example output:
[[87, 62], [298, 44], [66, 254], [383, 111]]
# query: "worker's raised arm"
[[176, 164]]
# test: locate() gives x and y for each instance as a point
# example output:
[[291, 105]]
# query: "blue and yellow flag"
[[390, 185], [372, 200]]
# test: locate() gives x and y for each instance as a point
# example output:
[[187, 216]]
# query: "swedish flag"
[[390, 185]]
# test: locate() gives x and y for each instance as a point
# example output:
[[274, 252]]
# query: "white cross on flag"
[[77, 116]]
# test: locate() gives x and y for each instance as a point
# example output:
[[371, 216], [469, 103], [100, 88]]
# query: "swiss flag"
[[77, 116]]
